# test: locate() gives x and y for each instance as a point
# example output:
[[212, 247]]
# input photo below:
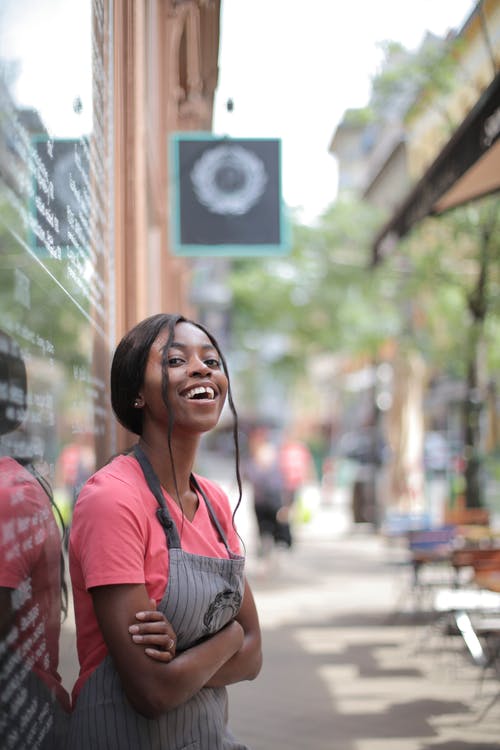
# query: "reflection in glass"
[[55, 260], [33, 702]]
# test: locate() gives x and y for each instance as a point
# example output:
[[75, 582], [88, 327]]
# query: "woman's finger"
[[152, 628], [151, 615], [162, 641], [164, 656]]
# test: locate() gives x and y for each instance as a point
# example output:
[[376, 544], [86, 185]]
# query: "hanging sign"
[[226, 196]]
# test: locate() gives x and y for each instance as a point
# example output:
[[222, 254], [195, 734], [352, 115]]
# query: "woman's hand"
[[155, 632]]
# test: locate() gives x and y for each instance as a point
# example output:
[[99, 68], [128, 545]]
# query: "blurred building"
[[165, 74], [431, 148], [451, 133], [425, 150]]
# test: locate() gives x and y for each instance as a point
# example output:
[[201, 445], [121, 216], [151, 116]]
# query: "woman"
[[146, 528]]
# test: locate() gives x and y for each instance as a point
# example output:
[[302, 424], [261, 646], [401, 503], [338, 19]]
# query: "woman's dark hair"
[[129, 366]]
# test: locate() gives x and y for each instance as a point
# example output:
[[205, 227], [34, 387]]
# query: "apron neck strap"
[[153, 483]]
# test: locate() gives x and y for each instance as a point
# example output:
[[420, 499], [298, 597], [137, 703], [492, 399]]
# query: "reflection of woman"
[[145, 527], [32, 700]]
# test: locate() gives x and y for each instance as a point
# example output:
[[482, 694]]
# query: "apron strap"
[[153, 483]]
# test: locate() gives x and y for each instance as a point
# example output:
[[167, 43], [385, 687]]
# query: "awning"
[[467, 168]]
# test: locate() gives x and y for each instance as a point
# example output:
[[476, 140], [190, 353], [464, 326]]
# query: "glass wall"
[[56, 320]]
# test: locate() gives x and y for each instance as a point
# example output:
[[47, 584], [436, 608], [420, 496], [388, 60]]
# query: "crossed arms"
[[155, 678]]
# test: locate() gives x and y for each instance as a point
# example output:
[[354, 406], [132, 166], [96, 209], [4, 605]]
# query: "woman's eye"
[[212, 362], [175, 361]]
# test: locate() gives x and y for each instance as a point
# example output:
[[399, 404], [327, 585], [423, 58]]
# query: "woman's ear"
[[138, 402]]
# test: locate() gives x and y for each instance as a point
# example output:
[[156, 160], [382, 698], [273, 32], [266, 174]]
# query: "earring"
[[136, 403]]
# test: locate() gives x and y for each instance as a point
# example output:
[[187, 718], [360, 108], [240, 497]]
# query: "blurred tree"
[[321, 296]]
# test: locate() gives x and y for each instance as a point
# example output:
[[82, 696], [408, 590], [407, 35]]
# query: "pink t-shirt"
[[116, 538]]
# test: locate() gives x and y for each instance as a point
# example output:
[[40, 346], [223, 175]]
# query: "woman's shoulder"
[[121, 468], [120, 478]]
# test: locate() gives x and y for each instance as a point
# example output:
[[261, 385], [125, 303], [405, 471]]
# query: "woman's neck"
[[181, 457]]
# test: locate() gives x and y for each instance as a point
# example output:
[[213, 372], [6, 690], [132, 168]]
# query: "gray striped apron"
[[203, 594]]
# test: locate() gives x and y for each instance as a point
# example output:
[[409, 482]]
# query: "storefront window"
[[56, 317]]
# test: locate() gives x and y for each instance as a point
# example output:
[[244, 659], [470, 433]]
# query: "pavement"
[[347, 664]]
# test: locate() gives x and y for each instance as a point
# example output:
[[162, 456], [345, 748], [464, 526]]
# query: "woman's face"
[[197, 385]]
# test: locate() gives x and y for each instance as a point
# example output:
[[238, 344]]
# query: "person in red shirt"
[[147, 528]]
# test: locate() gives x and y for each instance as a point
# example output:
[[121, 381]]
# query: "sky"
[[50, 42], [292, 68]]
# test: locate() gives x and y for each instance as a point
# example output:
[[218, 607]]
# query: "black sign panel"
[[227, 196]]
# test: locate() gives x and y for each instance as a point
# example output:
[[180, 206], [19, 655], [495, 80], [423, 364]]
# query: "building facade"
[[90, 91]]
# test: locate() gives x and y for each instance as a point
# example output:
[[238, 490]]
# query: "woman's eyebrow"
[[179, 345]]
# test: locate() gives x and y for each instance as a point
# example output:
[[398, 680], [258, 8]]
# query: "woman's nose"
[[198, 367]]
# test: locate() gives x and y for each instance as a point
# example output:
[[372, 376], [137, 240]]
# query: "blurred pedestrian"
[[146, 527], [263, 472]]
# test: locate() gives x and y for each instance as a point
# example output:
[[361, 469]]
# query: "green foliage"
[[322, 297]]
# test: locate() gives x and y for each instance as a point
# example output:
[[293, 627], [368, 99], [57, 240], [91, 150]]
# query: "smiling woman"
[[165, 618]]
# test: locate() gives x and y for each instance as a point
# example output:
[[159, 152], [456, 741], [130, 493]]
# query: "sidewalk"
[[341, 670]]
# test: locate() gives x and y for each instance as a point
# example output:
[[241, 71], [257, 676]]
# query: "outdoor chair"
[[430, 554]]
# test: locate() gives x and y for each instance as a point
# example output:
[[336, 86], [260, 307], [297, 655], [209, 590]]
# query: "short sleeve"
[[109, 532]]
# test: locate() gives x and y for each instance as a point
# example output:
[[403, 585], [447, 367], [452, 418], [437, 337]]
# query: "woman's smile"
[[200, 393]]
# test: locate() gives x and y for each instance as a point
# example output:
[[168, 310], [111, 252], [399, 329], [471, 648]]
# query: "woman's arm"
[[153, 686], [246, 663]]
